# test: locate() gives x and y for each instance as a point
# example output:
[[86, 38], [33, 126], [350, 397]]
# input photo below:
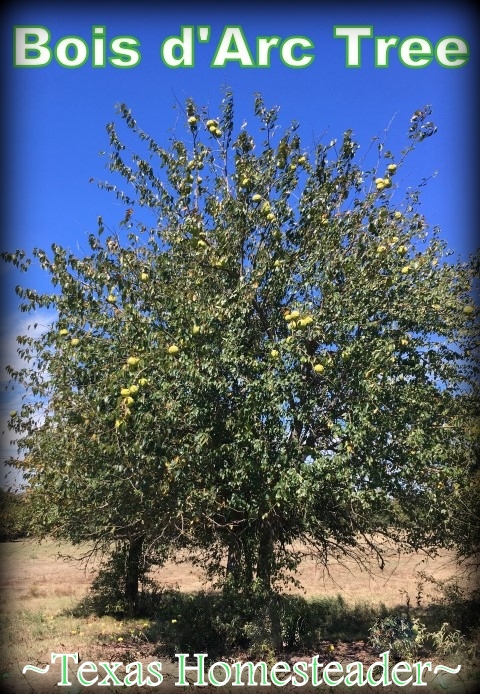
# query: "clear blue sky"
[[54, 118]]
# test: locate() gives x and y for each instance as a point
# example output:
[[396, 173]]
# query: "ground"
[[39, 592]]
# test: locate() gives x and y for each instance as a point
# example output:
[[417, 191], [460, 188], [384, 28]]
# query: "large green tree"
[[271, 356]]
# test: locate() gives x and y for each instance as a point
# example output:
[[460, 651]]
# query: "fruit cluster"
[[386, 182]]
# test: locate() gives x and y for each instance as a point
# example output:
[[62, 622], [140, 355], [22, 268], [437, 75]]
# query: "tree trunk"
[[233, 564], [266, 558], [239, 570], [132, 572]]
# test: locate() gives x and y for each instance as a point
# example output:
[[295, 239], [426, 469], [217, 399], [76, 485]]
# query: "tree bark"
[[132, 572], [266, 557], [233, 563]]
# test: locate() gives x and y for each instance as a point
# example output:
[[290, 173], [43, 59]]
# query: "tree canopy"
[[272, 354]]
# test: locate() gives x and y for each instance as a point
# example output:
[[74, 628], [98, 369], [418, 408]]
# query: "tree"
[[282, 361]]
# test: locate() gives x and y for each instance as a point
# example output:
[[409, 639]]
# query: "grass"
[[45, 607]]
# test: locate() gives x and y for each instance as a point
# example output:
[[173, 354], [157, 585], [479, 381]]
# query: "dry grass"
[[38, 594], [391, 585]]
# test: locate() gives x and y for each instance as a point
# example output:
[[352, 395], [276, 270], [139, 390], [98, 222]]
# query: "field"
[[41, 594]]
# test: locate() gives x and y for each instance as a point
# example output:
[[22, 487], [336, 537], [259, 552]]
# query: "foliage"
[[467, 505], [272, 347], [450, 641], [215, 623], [447, 626], [400, 635], [454, 604], [408, 638], [108, 594], [13, 516]]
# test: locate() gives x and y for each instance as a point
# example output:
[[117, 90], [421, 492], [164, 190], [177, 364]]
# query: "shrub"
[[402, 636]]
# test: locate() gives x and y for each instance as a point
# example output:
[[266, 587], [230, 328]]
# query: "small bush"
[[402, 636], [449, 641]]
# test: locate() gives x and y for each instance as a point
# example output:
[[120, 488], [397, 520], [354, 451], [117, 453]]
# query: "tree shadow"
[[227, 624]]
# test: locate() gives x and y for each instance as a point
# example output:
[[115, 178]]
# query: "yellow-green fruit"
[[402, 250], [211, 123], [468, 310], [196, 329], [129, 400], [125, 391], [394, 239], [63, 331], [119, 423], [319, 368], [392, 168], [378, 180], [144, 276], [274, 353], [381, 249], [201, 243], [405, 269], [404, 342], [173, 349], [133, 389], [270, 216], [212, 128], [218, 132], [397, 215], [381, 185], [256, 197], [192, 120], [74, 342], [302, 160], [245, 182], [387, 182], [143, 382], [294, 314], [133, 361], [303, 322], [111, 298]]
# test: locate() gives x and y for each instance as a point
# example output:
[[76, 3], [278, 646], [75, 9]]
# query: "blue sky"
[[55, 118]]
